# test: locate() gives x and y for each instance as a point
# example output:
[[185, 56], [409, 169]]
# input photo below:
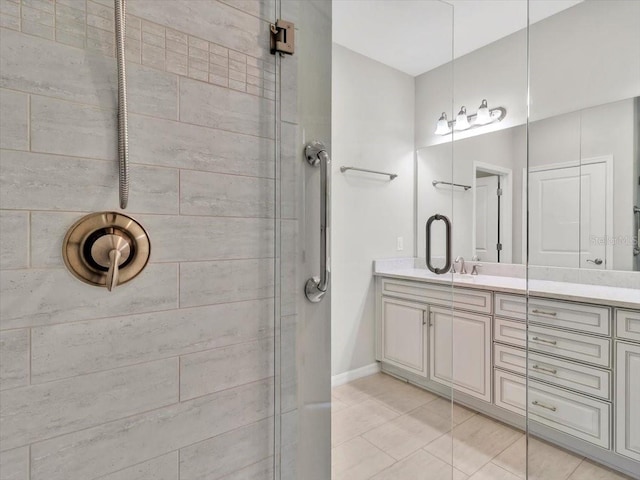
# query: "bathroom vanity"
[[583, 364]]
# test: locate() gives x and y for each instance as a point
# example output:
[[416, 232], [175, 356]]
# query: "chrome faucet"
[[463, 270]]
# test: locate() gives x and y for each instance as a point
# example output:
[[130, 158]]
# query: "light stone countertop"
[[612, 296]]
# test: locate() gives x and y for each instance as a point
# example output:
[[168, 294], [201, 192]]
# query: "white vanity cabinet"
[[583, 359], [569, 363], [628, 399], [404, 335], [406, 339], [469, 370]]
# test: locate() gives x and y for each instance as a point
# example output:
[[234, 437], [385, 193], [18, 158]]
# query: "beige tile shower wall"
[[172, 375]]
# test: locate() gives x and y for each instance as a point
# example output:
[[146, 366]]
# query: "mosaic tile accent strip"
[[89, 24]]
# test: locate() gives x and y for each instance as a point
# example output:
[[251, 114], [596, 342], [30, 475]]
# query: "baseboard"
[[351, 375]]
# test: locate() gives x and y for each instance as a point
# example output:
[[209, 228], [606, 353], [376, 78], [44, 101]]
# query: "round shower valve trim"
[[106, 249]]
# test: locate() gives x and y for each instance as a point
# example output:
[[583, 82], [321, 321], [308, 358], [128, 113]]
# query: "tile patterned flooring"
[[386, 429]]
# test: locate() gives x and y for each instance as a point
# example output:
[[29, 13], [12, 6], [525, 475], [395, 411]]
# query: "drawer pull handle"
[[553, 371], [544, 340], [548, 407], [542, 312]]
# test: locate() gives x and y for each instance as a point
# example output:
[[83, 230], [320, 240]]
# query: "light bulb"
[[483, 116], [443, 125], [462, 122]]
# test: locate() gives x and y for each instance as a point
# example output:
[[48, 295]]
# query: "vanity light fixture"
[[484, 116], [443, 125], [462, 121]]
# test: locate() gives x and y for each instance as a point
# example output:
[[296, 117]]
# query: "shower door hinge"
[[283, 40]]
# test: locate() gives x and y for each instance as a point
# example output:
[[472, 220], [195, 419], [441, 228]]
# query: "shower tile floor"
[[386, 429]]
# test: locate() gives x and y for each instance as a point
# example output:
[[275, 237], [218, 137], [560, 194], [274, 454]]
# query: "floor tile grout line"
[[497, 466], [574, 470], [374, 446], [368, 397]]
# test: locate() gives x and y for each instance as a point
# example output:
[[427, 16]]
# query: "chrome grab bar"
[[316, 287], [447, 266], [636, 248]]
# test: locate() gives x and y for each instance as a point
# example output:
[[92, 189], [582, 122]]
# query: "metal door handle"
[[447, 223], [543, 340], [316, 155], [552, 371], [540, 404], [542, 312], [597, 261]]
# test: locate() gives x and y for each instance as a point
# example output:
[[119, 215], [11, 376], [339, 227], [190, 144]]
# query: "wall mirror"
[[574, 150]]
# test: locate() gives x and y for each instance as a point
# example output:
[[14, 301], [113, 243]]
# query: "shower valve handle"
[[111, 251], [114, 269]]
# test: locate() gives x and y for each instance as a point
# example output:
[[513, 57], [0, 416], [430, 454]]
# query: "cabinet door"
[[404, 335], [628, 400], [460, 351]]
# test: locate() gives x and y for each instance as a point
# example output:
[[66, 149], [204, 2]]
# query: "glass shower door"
[[303, 362], [583, 280], [303, 365]]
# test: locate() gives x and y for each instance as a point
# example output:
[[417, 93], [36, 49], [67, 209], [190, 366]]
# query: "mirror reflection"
[[583, 190]]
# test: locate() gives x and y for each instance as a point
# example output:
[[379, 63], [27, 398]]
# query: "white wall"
[[372, 127]]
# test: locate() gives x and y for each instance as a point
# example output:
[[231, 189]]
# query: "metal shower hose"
[[123, 134]]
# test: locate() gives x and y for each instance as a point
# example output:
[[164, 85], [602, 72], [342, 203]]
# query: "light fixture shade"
[[462, 122], [442, 127], [483, 116]]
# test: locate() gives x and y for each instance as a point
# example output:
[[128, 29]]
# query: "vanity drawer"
[[571, 413], [464, 298], [574, 346], [555, 313], [628, 324], [582, 378]]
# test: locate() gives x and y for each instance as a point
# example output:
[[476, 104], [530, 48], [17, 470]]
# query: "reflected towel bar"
[[390, 175], [438, 182], [636, 212]]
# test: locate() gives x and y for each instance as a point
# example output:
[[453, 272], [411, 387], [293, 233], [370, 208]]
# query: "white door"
[[628, 400], [468, 369], [567, 212], [487, 216], [403, 335]]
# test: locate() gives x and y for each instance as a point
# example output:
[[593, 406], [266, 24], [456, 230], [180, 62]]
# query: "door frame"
[[608, 161], [506, 207]]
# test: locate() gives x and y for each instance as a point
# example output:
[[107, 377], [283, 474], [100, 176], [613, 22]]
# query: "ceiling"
[[414, 36]]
